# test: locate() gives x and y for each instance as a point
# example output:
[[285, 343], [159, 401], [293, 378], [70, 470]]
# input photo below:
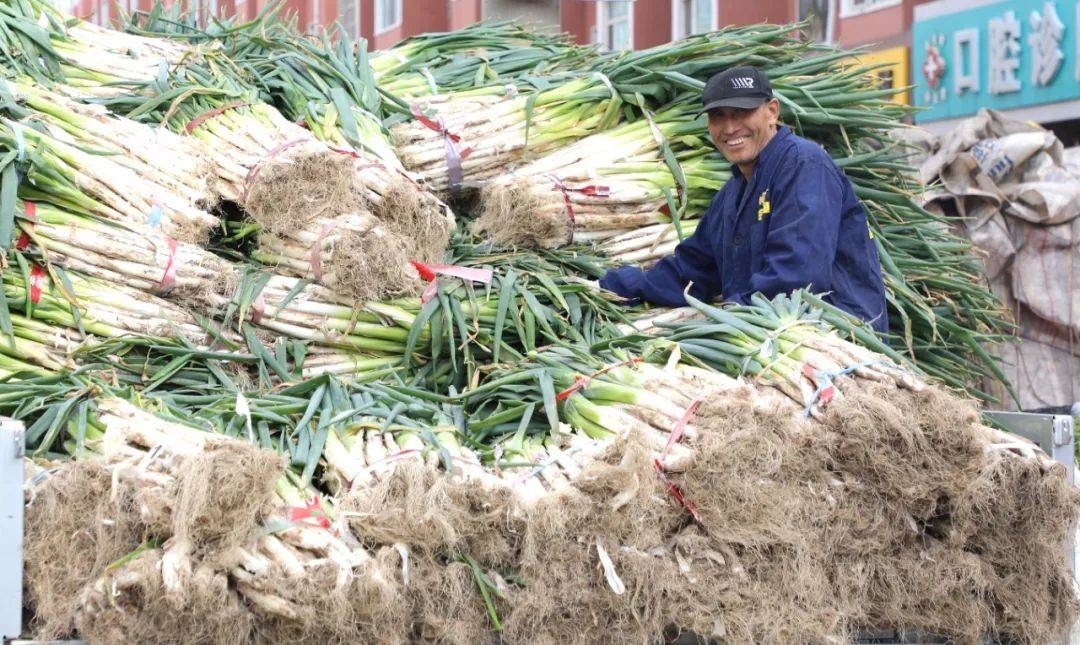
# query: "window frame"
[[676, 18], [603, 23], [381, 27], [832, 10], [342, 5], [849, 10]]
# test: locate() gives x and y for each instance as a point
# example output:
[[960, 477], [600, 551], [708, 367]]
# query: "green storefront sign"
[[1001, 54]]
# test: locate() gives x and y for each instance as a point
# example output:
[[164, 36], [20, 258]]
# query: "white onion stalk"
[[344, 364], [646, 245], [118, 192], [105, 56], [243, 142], [139, 257], [137, 146], [494, 128], [600, 187], [107, 310]]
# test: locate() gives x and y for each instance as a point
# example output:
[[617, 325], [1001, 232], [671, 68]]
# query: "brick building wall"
[[877, 24], [417, 16]]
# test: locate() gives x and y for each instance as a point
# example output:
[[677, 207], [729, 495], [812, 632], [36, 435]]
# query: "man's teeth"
[[735, 142]]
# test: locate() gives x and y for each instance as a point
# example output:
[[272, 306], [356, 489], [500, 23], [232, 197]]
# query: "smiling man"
[[787, 219]]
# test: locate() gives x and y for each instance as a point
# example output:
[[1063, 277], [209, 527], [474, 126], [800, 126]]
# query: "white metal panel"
[[11, 527]]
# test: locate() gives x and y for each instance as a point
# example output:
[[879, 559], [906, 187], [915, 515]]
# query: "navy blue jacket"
[[795, 224]]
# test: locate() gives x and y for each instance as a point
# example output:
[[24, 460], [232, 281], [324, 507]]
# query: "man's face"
[[740, 134]]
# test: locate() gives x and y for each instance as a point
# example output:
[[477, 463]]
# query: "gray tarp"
[[1019, 192]]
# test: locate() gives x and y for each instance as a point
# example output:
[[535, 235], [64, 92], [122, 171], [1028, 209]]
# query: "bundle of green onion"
[[325, 85], [134, 145], [605, 185], [138, 257], [36, 348], [92, 307], [98, 61], [337, 215], [645, 245], [58, 169], [483, 53], [475, 135]]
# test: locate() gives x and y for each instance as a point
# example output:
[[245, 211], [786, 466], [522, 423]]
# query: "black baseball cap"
[[739, 87]]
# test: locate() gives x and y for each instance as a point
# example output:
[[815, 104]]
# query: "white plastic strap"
[[610, 574], [404, 553]]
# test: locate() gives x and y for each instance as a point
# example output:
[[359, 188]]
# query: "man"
[[787, 219]]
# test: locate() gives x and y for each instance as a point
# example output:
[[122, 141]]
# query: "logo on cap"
[[743, 83]]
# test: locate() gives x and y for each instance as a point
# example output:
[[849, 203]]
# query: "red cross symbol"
[[933, 67]]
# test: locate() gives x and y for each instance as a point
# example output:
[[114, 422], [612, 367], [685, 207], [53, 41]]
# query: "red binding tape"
[[450, 142], [168, 279], [429, 272], [37, 283], [676, 492], [591, 190], [312, 512], [581, 381], [209, 114], [343, 151], [30, 212], [680, 427]]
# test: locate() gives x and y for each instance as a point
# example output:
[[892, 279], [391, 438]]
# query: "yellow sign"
[[763, 202], [892, 69]]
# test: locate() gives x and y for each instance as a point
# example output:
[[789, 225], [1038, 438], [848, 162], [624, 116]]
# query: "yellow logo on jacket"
[[765, 206]]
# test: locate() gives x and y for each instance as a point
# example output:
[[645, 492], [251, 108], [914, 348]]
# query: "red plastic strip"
[[343, 151], [680, 427], [312, 512], [209, 114], [579, 382], [677, 492], [37, 283], [30, 212], [450, 141], [168, 280], [827, 393], [592, 190], [559, 185], [429, 271]]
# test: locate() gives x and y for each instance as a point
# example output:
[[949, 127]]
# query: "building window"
[[849, 8], [350, 17], [885, 79], [692, 17], [816, 14], [615, 24], [205, 11], [315, 26], [387, 15]]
